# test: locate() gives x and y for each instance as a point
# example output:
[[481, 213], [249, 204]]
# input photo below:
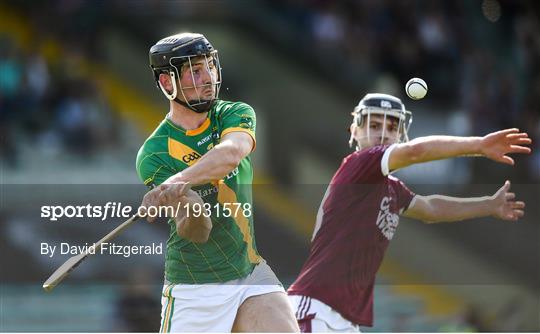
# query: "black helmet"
[[171, 53]]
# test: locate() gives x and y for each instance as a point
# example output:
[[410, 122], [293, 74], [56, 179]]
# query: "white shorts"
[[315, 316], [212, 307]]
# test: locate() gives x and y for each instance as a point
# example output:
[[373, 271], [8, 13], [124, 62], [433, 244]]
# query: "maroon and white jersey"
[[356, 221]]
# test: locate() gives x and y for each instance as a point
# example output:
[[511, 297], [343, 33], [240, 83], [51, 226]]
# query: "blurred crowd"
[[47, 102], [49, 105], [477, 56]]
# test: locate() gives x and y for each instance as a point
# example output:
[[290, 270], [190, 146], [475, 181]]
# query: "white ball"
[[416, 88]]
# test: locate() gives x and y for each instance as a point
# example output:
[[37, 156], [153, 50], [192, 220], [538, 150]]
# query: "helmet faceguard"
[[172, 54], [385, 105]]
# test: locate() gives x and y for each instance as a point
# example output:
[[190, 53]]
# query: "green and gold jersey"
[[230, 252]]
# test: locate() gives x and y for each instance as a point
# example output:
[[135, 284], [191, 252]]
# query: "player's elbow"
[[429, 212], [236, 155], [196, 230], [198, 236], [231, 157], [202, 234], [415, 152], [434, 216]]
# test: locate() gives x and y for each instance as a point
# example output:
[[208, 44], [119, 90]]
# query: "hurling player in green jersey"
[[198, 160]]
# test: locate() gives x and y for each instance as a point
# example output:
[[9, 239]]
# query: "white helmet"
[[382, 104]]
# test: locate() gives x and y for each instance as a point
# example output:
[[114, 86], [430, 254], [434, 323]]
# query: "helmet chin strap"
[[170, 96], [199, 107]]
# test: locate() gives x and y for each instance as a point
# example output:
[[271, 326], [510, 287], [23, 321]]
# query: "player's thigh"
[[269, 312]]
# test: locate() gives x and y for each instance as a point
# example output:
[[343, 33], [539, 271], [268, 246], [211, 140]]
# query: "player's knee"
[[271, 312], [280, 309]]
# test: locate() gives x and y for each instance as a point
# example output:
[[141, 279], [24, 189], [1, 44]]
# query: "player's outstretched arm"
[[219, 161], [438, 208], [495, 146]]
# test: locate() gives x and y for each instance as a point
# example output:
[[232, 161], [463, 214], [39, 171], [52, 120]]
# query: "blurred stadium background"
[[77, 99]]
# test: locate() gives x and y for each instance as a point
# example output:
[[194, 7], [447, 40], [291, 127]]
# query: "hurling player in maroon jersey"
[[360, 210]]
